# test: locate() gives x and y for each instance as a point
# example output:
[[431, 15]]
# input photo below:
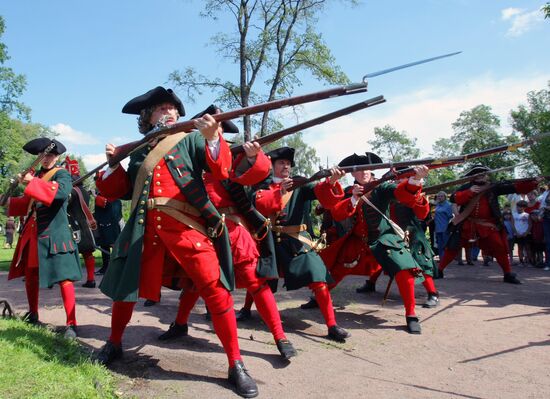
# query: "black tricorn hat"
[[474, 170], [282, 153], [227, 126], [36, 146], [153, 97], [367, 159]]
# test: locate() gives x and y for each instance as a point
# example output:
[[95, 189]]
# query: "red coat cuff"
[[525, 187], [269, 201], [329, 195], [220, 167], [41, 190], [464, 196], [114, 186], [407, 194], [18, 206], [248, 175], [342, 210]]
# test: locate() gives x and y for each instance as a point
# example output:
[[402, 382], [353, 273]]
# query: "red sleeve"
[[525, 187], [18, 206], [269, 201], [114, 186], [220, 167], [246, 174], [464, 196], [421, 208], [41, 190], [342, 210], [407, 194], [327, 194]]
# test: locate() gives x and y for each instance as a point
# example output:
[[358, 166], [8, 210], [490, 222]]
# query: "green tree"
[[546, 10], [273, 41], [395, 146], [12, 85], [533, 119], [442, 148], [477, 129]]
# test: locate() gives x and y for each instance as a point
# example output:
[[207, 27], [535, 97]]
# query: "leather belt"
[[289, 229], [160, 202]]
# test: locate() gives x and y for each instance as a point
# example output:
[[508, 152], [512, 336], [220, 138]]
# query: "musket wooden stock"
[[430, 162], [124, 150], [238, 148]]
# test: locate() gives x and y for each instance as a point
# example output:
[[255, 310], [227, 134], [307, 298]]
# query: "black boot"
[[368, 287], [31, 318], [101, 271], [337, 333], [413, 325], [244, 384], [439, 275], [243, 314], [174, 331], [312, 304], [89, 284], [511, 278], [149, 302], [432, 302], [109, 353], [286, 349]]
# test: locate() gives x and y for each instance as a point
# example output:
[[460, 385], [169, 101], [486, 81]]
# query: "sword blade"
[[410, 64]]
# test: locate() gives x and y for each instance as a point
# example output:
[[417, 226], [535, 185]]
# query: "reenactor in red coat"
[[298, 262], [46, 253], [173, 225], [249, 168], [480, 220]]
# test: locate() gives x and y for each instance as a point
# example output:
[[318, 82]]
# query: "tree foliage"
[[476, 130], [12, 85], [533, 119], [546, 10], [443, 148], [393, 145], [272, 43]]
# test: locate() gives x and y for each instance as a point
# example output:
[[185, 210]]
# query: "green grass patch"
[[37, 363]]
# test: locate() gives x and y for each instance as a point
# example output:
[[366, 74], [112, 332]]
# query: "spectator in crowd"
[[10, 230], [522, 230], [537, 239], [443, 214], [508, 222], [545, 207]]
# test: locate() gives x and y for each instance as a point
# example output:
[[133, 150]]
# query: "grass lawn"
[[37, 363]]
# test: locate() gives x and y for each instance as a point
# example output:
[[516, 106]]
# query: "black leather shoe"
[[243, 314], [432, 302], [368, 287], [470, 263], [70, 332], [243, 382], [31, 318], [337, 333], [149, 302], [460, 263], [312, 304], [286, 349], [439, 275], [174, 331], [109, 353], [101, 271], [89, 284], [413, 325], [511, 278]]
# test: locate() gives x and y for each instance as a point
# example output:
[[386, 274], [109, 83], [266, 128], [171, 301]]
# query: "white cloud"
[[522, 21], [68, 135], [426, 115], [92, 161]]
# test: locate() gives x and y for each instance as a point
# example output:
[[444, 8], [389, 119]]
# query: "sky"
[[84, 60]]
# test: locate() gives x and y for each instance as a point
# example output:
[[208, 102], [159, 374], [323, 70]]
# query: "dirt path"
[[486, 340]]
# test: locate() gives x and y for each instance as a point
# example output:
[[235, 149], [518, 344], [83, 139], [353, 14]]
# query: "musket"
[[125, 150], [430, 162], [387, 292], [238, 148], [438, 187], [14, 182], [264, 140]]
